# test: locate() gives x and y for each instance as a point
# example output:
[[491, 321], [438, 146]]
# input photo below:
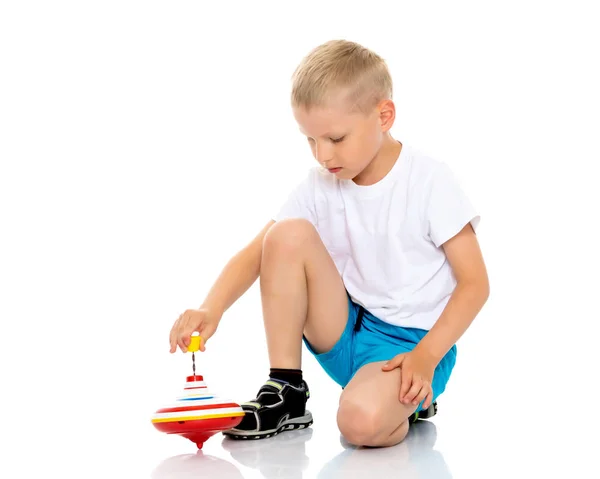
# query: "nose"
[[323, 153]]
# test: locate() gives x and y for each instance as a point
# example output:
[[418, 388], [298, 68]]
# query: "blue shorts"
[[368, 339]]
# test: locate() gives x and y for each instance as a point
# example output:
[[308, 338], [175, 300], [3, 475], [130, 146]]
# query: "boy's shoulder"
[[426, 173], [423, 165]]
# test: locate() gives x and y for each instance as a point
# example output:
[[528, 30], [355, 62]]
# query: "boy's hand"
[[201, 320], [416, 377]]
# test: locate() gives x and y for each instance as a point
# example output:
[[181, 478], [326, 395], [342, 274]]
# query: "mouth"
[[333, 170]]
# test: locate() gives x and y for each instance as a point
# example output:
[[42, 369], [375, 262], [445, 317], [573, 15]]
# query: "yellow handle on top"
[[194, 344]]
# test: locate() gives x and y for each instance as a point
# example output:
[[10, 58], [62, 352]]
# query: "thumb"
[[205, 333], [393, 363]]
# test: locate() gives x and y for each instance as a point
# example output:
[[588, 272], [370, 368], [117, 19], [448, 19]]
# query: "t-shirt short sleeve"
[[300, 203], [448, 208]]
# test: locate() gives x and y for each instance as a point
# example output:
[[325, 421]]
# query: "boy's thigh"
[[327, 311], [337, 361], [327, 304], [369, 354]]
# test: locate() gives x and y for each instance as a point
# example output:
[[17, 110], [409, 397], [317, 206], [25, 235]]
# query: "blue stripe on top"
[[196, 399]]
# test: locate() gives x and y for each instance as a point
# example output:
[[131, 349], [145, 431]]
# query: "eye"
[[338, 140]]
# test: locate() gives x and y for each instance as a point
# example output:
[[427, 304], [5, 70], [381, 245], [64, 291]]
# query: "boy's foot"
[[425, 414], [278, 406]]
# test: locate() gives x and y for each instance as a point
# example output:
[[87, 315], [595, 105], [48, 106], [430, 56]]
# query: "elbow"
[[478, 289], [483, 288]]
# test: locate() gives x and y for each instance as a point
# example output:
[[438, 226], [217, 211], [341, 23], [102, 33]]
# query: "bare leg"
[[370, 413], [301, 291]]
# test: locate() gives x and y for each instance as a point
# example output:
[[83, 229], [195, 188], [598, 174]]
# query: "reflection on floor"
[[285, 456]]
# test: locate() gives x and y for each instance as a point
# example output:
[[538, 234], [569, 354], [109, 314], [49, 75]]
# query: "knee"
[[288, 236], [361, 424]]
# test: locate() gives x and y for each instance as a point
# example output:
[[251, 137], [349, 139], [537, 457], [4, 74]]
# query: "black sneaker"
[[278, 407], [425, 414]]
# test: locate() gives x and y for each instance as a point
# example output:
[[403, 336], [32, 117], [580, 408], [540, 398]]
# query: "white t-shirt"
[[385, 239]]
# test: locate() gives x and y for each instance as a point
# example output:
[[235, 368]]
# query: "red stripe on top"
[[197, 408], [197, 387]]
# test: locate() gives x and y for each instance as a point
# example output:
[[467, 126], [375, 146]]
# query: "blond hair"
[[341, 67]]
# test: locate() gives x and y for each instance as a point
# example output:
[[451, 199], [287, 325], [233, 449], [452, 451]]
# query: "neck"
[[381, 164]]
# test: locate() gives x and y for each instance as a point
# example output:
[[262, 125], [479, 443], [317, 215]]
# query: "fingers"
[[184, 338], [423, 393], [428, 399], [183, 342], [178, 335], [415, 389], [173, 335], [393, 363], [188, 323], [405, 382], [419, 390], [172, 343], [181, 332]]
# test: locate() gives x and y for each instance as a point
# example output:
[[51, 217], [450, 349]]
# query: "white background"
[[143, 143]]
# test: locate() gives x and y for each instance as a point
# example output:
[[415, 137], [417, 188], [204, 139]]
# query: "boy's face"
[[342, 142]]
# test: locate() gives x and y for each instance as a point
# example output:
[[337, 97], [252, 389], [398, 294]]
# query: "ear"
[[387, 114]]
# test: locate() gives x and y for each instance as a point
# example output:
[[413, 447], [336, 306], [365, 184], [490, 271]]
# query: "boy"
[[373, 262]]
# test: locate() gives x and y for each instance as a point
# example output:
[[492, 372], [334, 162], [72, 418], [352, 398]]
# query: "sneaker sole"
[[288, 425]]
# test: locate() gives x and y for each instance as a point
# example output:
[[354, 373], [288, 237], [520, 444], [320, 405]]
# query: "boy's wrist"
[[427, 351], [214, 309]]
